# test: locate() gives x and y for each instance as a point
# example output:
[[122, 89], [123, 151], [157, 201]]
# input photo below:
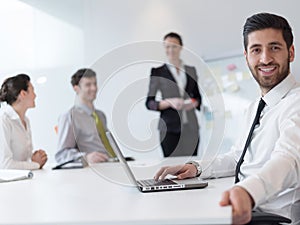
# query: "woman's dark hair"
[[262, 21], [82, 73], [12, 87], [174, 35]]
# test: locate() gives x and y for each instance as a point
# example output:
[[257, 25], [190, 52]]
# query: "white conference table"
[[101, 194]]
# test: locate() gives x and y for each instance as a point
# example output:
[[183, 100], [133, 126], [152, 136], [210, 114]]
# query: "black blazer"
[[162, 80]]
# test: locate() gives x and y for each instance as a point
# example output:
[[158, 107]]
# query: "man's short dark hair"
[[262, 21], [82, 73], [174, 35]]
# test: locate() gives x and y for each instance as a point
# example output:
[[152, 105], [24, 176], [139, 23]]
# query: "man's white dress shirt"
[[271, 168], [15, 141]]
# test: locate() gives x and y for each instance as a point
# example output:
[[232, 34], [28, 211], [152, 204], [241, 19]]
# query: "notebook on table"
[[7, 175], [77, 163], [150, 185]]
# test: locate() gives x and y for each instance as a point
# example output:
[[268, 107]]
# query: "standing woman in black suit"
[[177, 82]]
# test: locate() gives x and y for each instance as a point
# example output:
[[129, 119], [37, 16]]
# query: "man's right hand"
[[96, 157], [181, 171]]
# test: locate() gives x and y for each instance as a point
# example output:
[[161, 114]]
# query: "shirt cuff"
[[35, 165], [153, 105], [255, 188]]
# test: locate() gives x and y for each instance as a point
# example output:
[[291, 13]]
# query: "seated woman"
[[15, 134]]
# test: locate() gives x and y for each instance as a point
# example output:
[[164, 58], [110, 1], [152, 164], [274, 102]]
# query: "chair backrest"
[[262, 218]]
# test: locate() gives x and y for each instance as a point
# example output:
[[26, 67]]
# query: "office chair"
[[262, 218]]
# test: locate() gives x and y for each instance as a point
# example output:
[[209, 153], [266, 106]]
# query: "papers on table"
[[7, 175]]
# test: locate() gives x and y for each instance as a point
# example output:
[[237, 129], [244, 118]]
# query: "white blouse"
[[15, 141], [181, 80]]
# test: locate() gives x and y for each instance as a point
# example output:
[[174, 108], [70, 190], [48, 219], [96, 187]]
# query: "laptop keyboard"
[[152, 182]]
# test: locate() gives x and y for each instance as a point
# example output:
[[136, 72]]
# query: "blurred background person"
[[81, 130], [15, 133], [177, 82]]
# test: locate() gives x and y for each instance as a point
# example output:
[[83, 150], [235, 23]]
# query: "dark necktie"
[[260, 107]]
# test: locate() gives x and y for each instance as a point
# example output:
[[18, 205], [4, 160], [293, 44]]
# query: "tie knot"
[[261, 105], [95, 116]]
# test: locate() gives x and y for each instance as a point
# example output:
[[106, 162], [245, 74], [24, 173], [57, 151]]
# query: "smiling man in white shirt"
[[269, 176]]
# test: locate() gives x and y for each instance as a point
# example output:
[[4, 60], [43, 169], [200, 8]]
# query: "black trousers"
[[180, 144]]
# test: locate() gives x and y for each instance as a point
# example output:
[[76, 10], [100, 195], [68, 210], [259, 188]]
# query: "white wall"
[[209, 29], [42, 44], [53, 38]]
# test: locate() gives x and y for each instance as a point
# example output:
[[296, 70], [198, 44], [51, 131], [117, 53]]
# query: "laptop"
[[150, 185]]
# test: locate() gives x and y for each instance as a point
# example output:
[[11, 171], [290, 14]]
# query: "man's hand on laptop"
[[96, 157], [181, 171]]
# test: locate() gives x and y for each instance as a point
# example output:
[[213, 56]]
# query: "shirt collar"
[[84, 107], [171, 66], [279, 91], [9, 111]]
